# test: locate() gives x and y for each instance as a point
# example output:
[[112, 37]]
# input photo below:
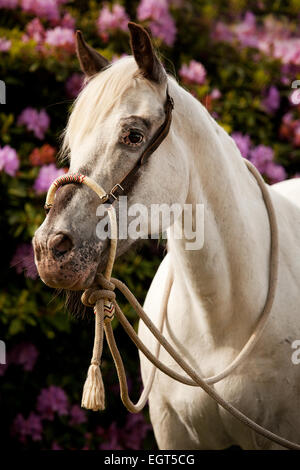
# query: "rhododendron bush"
[[240, 59]]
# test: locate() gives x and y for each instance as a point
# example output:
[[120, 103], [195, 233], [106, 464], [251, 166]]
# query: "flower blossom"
[[271, 102], [262, 157], [52, 400], [112, 20], [9, 160], [193, 73], [272, 38], [46, 176], [35, 121], [5, 44], [30, 427], [48, 9], [60, 37], [9, 4], [77, 415], [243, 143], [34, 30], [68, 21], [161, 24]]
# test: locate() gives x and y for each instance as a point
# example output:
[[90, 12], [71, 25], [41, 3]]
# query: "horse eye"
[[135, 137], [132, 138]]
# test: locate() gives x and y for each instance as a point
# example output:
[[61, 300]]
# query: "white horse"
[[218, 291]]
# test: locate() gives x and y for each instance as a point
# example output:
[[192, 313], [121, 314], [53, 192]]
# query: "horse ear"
[[144, 54], [90, 60]]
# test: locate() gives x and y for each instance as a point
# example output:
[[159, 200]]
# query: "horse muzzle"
[[63, 263]]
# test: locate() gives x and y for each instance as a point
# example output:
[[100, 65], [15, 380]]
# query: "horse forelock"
[[97, 100]]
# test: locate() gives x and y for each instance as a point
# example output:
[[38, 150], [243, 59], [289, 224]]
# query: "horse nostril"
[[60, 244]]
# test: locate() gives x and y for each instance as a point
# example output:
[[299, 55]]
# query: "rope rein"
[[103, 300]]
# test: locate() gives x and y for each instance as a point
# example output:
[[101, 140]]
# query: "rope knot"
[[106, 292]]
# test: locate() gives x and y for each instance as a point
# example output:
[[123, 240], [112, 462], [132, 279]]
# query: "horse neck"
[[226, 281]]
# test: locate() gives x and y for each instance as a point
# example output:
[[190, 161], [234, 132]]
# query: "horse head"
[[113, 121]]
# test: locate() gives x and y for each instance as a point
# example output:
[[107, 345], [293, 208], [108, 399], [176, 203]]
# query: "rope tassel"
[[93, 397]]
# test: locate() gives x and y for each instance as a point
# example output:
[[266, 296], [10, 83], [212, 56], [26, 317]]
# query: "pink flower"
[[222, 32], [111, 20], [24, 354], [193, 73], [271, 101], [46, 176], [9, 4], [152, 9], [68, 21], [35, 121], [246, 31], [260, 156], [164, 29], [273, 37], [288, 50], [47, 9], [5, 44], [215, 94], [162, 24], [23, 260], [243, 143], [52, 400], [9, 160], [77, 415], [275, 172], [30, 427], [74, 84], [60, 37], [34, 30]]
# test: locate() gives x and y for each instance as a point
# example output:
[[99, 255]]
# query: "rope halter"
[[102, 299]]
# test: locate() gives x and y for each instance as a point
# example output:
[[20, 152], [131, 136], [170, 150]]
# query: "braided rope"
[[92, 398]]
